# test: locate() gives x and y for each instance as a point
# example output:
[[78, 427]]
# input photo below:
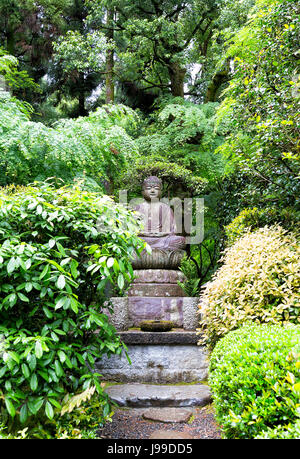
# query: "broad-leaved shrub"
[[254, 374], [59, 251]]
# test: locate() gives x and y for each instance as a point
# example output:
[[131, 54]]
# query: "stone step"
[[175, 336], [150, 395]]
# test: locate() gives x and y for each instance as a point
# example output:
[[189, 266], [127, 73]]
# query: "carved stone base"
[[130, 311], [155, 308], [159, 259]]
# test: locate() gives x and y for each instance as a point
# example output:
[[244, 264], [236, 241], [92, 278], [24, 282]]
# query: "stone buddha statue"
[[159, 229]]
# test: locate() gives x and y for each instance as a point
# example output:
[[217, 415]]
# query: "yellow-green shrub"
[[253, 218], [258, 281]]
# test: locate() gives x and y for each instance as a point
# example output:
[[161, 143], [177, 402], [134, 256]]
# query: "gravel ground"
[[129, 424]]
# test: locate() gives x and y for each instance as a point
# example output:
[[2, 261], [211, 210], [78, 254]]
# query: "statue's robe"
[[158, 218]]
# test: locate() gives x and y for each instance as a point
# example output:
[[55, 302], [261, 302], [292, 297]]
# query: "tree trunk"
[[177, 75], [81, 95], [109, 79], [215, 84]]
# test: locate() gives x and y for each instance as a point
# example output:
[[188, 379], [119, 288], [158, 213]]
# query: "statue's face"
[[152, 191]]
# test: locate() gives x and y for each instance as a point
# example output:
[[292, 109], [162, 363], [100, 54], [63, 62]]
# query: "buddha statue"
[[159, 229]]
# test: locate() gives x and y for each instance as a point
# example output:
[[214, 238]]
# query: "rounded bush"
[[60, 250], [258, 281], [254, 374]]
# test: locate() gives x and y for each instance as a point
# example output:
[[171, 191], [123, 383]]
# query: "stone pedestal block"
[[161, 276], [118, 315], [155, 308], [156, 290]]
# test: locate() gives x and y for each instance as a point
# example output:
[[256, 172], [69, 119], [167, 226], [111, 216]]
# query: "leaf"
[[33, 382], [31, 359], [10, 407], [61, 282], [35, 405], [49, 410], [44, 272], [58, 368], [61, 249], [23, 297], [38, 349], [110, 262], [11, 265], [23, 413], [51, 243], [120, 281], [74, 271], [74, 305], [25, 370]]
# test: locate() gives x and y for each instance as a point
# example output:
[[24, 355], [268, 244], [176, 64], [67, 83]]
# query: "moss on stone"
[[156, 325]]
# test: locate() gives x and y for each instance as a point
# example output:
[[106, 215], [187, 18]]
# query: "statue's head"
[[152, 188]]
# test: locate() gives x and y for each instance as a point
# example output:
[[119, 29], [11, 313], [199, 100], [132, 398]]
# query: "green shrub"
[[254, 374], [253, 218], [59, 250], [258, 281]]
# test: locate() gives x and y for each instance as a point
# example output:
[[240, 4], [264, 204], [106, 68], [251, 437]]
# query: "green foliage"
[[190, 286], [176, 178], [186, 133], [95, 147], [13, 78], [253, 218], [258, 281], [261, 104], [59, 251], [254, 374]]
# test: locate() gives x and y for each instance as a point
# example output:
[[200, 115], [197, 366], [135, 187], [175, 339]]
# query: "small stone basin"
[[156, 325]]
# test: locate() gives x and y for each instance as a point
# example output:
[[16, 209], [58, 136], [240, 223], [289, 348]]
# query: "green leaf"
[[33, 382], [58, 368], [35, 405], [23, 297], [38, 349], [44, 272], [49, 410], [120, 281], [31, 359], [11, 265], [61, 249], [74, 304], [25, 370], [51, 243], [62, 356], [61, 282], [10, 407], [74, 271], [110, 262], [14, 356], [23, 413]]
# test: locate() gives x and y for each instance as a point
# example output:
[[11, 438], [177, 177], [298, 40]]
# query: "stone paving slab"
[[149, 395], [168, 415], [169, 435]]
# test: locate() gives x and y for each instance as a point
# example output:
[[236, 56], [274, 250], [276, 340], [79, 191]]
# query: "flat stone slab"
[[167, 415], [149, 395], [169, 435], [158, 364], [174, 336]]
